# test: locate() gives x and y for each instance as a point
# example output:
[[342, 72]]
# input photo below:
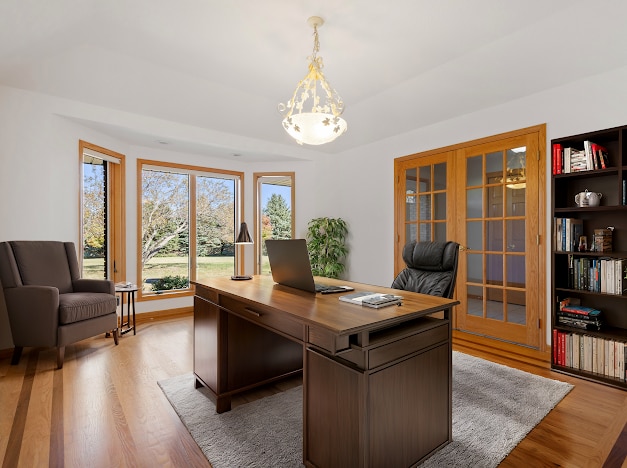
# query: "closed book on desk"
[[371, 299]]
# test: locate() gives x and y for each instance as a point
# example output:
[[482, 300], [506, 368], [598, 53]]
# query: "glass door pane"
[[425, 203], [495, 278]]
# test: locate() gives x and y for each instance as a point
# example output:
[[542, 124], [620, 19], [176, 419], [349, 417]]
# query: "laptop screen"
[[289, 262]]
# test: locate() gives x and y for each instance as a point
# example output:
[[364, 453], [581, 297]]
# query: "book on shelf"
[[590, 160], [583, 323], [581, 310], [557, 158], [593, 354], [568, 159], [568, 232], [600, 275], [572, 314], [600, 153]]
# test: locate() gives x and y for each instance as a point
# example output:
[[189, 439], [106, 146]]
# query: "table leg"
[[121, 311], [133, 301], [130, 303]]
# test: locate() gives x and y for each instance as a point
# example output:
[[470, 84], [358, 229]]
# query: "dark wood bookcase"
[[612, 211]]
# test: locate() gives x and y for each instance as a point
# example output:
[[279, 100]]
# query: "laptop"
[[289, 262]]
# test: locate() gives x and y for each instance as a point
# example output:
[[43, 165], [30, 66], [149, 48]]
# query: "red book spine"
[[557, 158]]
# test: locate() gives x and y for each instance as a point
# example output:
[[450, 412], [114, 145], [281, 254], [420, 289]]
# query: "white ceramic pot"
[[588, 198]]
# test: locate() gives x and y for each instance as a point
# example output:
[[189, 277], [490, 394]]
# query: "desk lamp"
[[243, 238]]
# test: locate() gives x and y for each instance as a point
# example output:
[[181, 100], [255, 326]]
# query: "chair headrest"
[[431, 256]]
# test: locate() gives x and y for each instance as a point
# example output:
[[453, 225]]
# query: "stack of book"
[[577, 160], [592, 157], [577, 316]]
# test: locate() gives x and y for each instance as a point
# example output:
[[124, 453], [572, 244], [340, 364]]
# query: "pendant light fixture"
[[313, 115]]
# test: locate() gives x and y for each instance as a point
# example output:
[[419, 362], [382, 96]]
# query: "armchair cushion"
[[43, 263], [94, 285], [75, 307]]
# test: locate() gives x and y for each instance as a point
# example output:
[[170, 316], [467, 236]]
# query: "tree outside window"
[[187, 225]]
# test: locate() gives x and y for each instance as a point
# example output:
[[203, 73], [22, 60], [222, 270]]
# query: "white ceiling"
[[206, 76]]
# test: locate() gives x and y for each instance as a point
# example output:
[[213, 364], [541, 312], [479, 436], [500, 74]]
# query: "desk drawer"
[[264, 316], [405, 346]]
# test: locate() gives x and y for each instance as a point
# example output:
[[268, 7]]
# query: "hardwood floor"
[[104, 408]]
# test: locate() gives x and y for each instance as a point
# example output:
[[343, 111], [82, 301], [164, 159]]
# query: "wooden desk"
[[376, 382]]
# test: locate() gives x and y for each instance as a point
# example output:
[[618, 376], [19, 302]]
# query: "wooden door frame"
[[399, 197]]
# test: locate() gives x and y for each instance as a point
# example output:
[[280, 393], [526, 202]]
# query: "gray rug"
[[494, 408]]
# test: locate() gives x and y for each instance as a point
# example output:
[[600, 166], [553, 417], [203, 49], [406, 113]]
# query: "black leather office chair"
[[431, 268]]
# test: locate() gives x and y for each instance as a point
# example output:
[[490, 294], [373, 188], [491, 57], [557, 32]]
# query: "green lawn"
[[158, 267]]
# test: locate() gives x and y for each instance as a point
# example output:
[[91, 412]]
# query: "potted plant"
[[326, 242]]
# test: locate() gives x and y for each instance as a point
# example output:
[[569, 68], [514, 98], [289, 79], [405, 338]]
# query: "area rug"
[[494, 408]]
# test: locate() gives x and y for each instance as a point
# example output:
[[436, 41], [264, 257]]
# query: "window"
[[102, 213], [274, 213], [187, 225]]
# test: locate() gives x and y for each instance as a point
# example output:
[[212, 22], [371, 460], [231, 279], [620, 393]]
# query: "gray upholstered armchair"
[[47, 301]]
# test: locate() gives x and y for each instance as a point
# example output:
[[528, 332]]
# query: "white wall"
[[39, 178], [39, 168], [364, 177]]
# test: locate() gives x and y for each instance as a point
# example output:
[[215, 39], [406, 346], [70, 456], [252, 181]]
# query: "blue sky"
[[267, 190]]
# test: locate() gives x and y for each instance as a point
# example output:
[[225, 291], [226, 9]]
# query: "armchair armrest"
[[33, 314], [94, 285]]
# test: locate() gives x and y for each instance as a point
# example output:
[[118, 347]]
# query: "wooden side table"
[[129, 291]]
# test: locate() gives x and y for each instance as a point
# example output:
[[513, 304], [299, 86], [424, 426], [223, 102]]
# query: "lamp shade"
[[314, 128], [244, 236]]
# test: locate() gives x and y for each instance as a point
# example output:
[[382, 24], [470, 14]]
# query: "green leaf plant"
[[326, 243]]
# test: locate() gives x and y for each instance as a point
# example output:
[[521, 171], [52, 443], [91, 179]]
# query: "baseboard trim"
[[476, 344], [166, 314]]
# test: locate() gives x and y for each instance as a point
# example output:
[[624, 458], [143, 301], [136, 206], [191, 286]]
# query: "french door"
[[492, 203], [423, 204]]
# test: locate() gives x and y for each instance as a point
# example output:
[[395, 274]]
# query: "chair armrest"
[[33, 314], [94, 285]]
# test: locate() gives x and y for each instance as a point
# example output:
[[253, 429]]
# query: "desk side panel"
[[410, 409], [257, 355], [206, 343], [333, 412]]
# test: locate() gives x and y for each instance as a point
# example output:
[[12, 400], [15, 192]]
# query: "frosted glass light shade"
[[314, 128]]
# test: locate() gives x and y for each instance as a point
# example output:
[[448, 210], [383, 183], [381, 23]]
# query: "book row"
[[568, 234], [589, 353], [600, 275], [567, 159]]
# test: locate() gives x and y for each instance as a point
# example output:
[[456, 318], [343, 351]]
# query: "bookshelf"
[[590, 274]]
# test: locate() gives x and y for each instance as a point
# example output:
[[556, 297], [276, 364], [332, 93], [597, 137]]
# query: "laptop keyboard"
[[327, 289]]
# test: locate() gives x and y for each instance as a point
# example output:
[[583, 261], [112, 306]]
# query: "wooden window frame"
[[191, 169]]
